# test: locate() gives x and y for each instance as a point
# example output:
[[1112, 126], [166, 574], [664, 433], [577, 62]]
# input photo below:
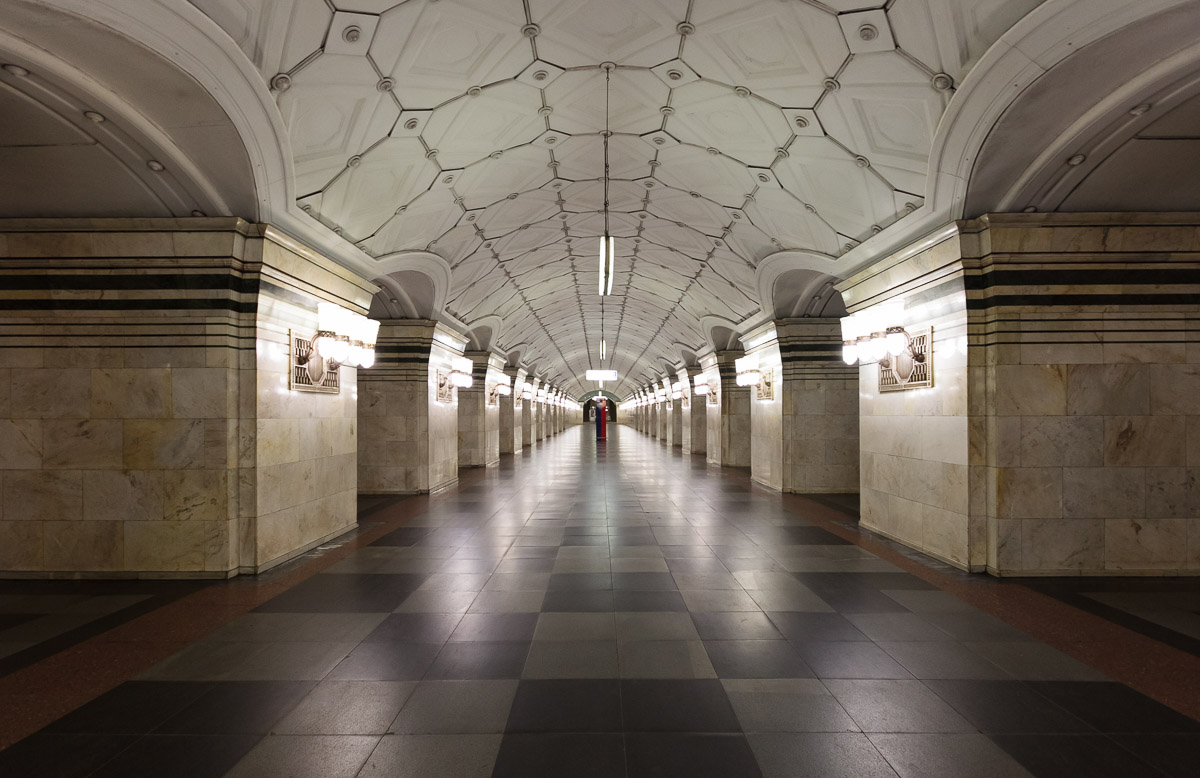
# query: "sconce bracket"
[[912, 369], [302, 377]]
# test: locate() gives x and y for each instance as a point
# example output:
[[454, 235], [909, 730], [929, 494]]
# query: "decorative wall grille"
[[303, 377], [909, 371]]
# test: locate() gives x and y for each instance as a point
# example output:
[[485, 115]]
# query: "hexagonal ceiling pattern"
[[473, 129]]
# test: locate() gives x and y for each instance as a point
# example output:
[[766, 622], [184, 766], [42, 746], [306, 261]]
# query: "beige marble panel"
[[51, 393], [123, 495], [130, 393], [20, 444], [163, 444], [85, 546], [77, 444]]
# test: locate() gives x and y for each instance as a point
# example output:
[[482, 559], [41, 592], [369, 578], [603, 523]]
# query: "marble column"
[[510, 414], [804, 432], [1056, 438], [665, 416], [695, 414], [147, 427], [677, 411], [729, 418], [408, 435], [479, 412], [528, 428]]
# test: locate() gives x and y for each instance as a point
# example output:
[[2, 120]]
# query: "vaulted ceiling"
[[471, 129]]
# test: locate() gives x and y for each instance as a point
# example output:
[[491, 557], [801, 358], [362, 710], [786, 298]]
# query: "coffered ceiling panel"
[[474, 129]]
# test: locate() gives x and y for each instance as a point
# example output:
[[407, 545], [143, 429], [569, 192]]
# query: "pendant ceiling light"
[[607, 246]]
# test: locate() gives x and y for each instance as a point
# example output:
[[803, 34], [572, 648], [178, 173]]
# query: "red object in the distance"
[[601, 418]]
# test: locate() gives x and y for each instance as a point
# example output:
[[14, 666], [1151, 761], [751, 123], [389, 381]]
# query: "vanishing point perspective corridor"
[[599, 609]]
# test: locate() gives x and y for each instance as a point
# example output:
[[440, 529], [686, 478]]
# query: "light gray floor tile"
[[896, 706], [700, 600], [305, 756], [347, 708], [787, 705], [896, 626], [518, 582], [1035, 662], [437, 602], [975, 625], [655, 626], [943, 661], [572, 659], [639, 565], [456, 707], [929, 601], [803, 600], [507, 602], [576, 626], [582, 565], [707, 581], [818, 755], [664, 659]]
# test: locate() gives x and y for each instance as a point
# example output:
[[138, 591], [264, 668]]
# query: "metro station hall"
[[600, 388]]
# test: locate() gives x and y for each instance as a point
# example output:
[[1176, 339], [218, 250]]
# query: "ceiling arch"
[[859, 128]]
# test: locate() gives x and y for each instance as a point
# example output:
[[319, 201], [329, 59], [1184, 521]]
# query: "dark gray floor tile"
[[676, 755], [818, 755], [347, 708], [1009, 707], [756, 659], [1114, 707], [815, 627], [433, 756], [676, 706], [735, 625], [850, 659], [237, 707], [943, 660], [61, 755], [787, 705], [178, 756], [1066, 756], [947, 756], [554, 755], [479, 661], [386, 662], [496, 627], [456, 707], [566, 706], [415, 628], [572, 659], [134, 708]]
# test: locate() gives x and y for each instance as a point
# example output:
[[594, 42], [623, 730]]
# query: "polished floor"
[[606, 609]]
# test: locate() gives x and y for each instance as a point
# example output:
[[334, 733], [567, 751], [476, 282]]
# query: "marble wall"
[[408, 438], [914, 444], [511, 440], [729, 419], [146, 425], [479, 412], [806, 439], [1063, 400], [695, 415]]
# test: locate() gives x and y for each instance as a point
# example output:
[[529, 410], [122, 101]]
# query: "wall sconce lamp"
[[342, 338], [881, 347], [750, 374], [677, 391], [460, 372], [502, 388]]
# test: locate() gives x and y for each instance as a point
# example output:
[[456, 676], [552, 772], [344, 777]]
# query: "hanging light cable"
[[607, 246]]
